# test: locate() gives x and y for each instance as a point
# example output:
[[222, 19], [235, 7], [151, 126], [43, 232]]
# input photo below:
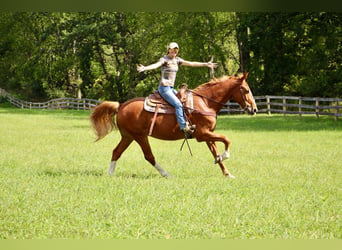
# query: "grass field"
[[54, 183]]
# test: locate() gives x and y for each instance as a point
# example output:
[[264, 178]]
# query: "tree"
[[55, 54], [34, 62], [98, 52], [291, 53]]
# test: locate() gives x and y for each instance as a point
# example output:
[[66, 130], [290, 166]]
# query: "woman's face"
[[173, 52]]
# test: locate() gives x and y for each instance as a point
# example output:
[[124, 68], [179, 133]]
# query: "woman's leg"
[[168, 94]]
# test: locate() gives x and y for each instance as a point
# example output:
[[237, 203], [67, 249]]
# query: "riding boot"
[[188, 130]]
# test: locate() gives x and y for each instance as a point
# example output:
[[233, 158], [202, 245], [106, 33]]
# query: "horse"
[[134, 122]]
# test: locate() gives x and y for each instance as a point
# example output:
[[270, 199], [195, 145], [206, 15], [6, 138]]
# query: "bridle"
[[247, 106]]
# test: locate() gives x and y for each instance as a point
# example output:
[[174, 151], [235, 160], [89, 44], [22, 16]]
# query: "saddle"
[[156, 104]]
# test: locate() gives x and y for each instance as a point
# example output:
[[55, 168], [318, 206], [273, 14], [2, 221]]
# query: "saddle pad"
[[148, 106]]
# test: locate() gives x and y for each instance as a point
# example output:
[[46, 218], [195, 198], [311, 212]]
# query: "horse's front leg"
[[223, 157], [213, 149], [212, 137]]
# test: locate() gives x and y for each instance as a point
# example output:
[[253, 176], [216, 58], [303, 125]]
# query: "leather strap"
[[154, 119]]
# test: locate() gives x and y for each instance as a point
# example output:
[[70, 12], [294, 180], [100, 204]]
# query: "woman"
[[169, 67]]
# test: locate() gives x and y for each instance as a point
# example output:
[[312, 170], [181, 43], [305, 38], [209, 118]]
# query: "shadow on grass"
[[59, 173], [95, 173], [136, 176], [262, 122]]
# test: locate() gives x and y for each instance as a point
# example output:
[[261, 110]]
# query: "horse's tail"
[[102, 118]]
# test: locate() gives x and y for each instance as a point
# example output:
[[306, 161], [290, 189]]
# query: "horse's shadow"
[[58, 173], [96, 173]]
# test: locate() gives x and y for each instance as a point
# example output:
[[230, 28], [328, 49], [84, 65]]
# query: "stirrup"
[[188, 130]]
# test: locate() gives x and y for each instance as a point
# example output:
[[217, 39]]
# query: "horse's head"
[[243, 95]]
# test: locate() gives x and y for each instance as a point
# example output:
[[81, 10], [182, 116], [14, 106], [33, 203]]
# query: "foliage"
[[57, 54], [54, 185], [292, 53]]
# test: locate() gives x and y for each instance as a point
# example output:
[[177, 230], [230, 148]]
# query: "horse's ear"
[[245, 75]]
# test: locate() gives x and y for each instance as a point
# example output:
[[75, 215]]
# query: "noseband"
[[247, 106]]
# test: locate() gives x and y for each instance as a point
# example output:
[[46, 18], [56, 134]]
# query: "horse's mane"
[[215, 81]]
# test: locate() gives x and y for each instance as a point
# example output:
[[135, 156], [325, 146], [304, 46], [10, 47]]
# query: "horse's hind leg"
[[119, 149], [146, 148], [213, 149]]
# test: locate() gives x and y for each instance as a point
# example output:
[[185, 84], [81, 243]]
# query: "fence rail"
[[59, 103], [266, 104], [292, 105]]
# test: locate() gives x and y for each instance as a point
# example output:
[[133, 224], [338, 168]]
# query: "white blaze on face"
[[254, 106]]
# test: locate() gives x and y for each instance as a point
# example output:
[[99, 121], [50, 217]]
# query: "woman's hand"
[[140, 68], [212, 65]]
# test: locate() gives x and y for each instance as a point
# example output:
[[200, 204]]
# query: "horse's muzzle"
[[251, 110]]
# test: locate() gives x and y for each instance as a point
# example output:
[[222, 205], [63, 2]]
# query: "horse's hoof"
[[230, 176]]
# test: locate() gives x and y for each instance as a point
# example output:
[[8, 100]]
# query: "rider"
[[169, 67]]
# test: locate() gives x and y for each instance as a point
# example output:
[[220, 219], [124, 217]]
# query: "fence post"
[[336, 112], [228, 107], [300, 106], [284, 106], [268, 103], [317, 107]]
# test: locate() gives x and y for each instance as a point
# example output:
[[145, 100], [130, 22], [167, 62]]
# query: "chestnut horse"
[[134, 122]]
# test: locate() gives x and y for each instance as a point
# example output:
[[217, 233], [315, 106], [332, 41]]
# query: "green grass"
[[54, 183]]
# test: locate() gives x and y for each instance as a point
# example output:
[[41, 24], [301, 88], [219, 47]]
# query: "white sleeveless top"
[[169, 70]]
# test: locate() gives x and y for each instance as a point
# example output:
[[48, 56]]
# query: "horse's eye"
[[245, 89]]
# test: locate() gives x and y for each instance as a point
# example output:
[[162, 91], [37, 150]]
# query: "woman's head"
[[172, 49]]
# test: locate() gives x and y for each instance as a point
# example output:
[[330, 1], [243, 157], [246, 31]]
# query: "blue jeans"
[[169, 94]]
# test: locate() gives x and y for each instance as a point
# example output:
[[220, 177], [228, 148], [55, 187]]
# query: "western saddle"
[[156, 104]]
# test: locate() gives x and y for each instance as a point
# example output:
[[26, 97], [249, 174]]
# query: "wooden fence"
[[59, 103], [266, 104], [292, 105]]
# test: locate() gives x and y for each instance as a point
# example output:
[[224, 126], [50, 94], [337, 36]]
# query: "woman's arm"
[[200, 64], [142, 68]]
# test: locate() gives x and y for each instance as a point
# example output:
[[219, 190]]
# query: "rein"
[[208, 98], [223, 104]]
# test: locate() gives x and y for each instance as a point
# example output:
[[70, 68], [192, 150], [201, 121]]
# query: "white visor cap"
[[172, 46]]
